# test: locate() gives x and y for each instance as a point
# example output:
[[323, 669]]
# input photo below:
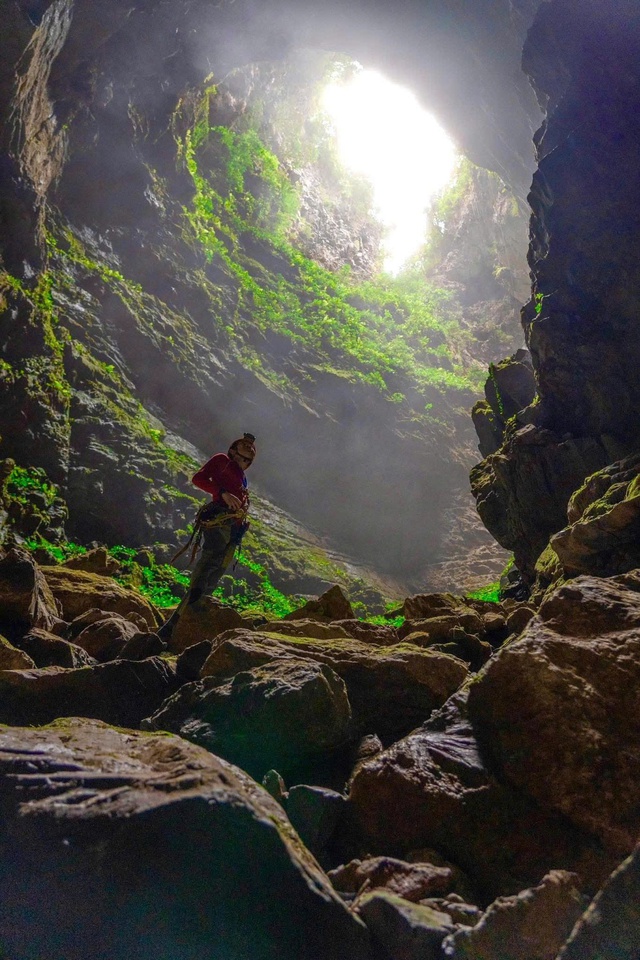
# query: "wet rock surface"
[[148, 828]]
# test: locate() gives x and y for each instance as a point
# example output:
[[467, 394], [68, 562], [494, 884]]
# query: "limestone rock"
[[207, 622], [407, 931], [442, 628], [522, 491], [411, 881], [557, 713], [191, 661], [315, 813], [142, 645], [424, 606], [433, 789], [332, 605], [282, 714], [313, 629], [78, 592], [379, 634], [465, 914], [25, 598], [48, 650], [518, 619], [148, 846], [11, 658], [121, 692], [509, 388], [603, 537], [97, 560], [390, 689], [532, 925], [610, 928], [104, 639]]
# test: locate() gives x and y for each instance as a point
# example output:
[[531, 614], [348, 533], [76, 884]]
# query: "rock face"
[[610, 928], [603, 536], [154, 332], [433, 789], [523, 490], [531, 926], [509, 388], [570, 681], [580, 324], [146, 846]]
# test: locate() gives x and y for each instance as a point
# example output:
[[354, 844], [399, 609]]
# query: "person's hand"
[[232, 502]]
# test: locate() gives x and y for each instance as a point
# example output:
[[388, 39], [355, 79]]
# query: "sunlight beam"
[[385, 134]]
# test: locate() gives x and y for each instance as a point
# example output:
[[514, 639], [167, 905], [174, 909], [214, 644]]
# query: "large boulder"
[[556, 710], [78, 591], [603, 535], [120, 845], [610, 928], [331, 605], [405, 930], [48, 650], [523, 489], [207, 622], [391, 689], [12, 658], [533, 925], [106, 637], [98, 560], [411, 881], [433, 789], [283, 714], [25, 598], [122, 692]]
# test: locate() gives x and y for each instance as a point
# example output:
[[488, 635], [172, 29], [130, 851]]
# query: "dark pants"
[[218, 547]]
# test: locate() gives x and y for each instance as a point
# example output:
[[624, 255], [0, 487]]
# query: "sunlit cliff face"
[[385, 134]]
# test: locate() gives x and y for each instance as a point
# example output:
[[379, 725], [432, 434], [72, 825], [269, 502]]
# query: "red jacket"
[[222, 475]]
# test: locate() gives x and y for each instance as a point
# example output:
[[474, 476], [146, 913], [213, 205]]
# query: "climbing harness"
[[203, 522]]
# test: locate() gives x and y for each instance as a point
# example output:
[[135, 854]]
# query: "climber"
[[219, 525]]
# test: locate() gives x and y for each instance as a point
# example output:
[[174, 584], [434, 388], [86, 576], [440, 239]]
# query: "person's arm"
[[211, 479]]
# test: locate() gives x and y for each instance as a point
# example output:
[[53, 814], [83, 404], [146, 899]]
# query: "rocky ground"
[[458, 782]]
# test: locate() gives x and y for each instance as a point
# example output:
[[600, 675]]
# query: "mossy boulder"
[[391, 689], [78, 591]]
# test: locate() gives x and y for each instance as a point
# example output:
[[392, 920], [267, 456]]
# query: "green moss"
[[385, 327], [25, 480], [490, 593]]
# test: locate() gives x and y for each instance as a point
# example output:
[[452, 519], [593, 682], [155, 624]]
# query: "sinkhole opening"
[[384, 134]]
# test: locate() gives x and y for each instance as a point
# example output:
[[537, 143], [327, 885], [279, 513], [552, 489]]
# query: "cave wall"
[[100, 95], [581, 323], [92, 76]]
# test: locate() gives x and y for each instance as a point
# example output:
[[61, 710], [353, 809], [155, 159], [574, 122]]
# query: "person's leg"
[[215, 556]]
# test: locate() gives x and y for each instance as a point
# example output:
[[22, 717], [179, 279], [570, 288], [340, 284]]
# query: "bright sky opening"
[[385, 134]]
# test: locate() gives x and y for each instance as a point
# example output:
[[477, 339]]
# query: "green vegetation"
[[59, 552], [490, 593], [22, 481], [372, 331]]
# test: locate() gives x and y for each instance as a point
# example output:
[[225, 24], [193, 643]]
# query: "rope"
[[200, 525]]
